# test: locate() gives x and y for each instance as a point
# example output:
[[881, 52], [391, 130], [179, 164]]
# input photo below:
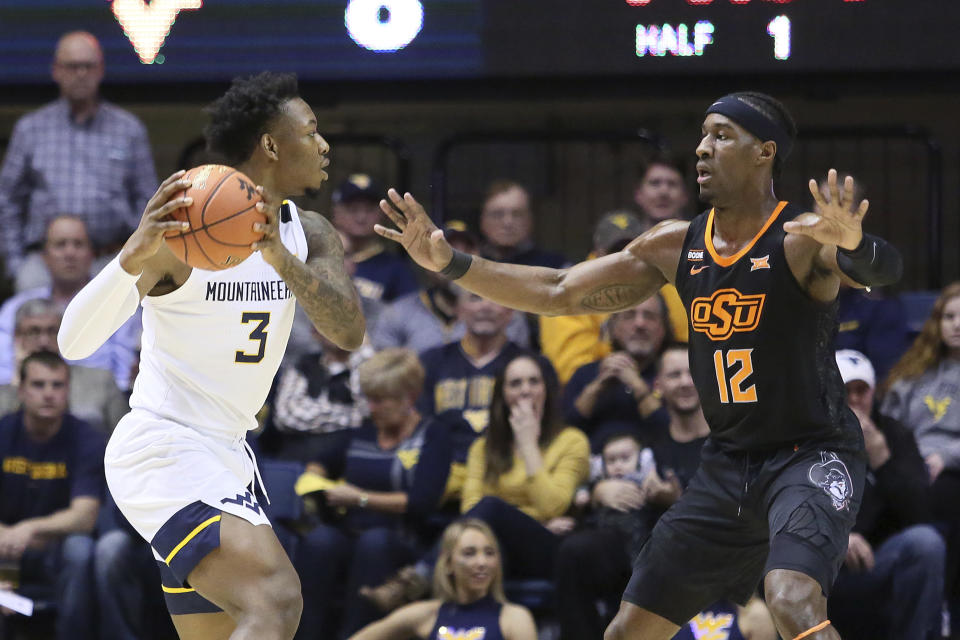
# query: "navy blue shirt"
[[531, 256], [384, 277], [40, 478], [453, 382], [480, 620], [874, 326], [615, 410], [418, 466]]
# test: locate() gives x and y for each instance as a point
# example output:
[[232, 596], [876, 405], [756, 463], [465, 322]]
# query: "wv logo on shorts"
[[831, 475], [726, 312], [243, 500]]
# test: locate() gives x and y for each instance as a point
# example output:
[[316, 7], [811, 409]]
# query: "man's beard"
[[685, 410]]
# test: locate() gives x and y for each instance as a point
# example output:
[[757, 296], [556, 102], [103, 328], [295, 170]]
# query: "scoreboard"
[[367, 40]]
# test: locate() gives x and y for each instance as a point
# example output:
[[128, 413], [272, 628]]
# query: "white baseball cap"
[[855, 366]]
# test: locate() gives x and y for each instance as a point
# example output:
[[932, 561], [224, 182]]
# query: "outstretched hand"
[[415, 231], [838, 218]]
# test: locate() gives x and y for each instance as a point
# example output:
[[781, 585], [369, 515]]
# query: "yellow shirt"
[[546, 494], [570, 342]]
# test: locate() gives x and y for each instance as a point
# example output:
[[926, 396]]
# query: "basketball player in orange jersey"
[[178, 464], [782, 472]]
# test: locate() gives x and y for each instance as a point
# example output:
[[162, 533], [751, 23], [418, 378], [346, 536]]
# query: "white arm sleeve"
[[97, 311]]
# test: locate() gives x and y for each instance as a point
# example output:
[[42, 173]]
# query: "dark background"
[[553, 94]]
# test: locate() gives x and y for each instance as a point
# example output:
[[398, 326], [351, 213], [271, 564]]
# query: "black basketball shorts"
[[744, 515]]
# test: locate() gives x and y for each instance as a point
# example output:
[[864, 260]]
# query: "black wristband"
[[457, 266], [874, 263], [860, 252]]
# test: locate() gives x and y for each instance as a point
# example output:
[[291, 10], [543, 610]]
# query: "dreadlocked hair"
[[240, 116], [773, 110]]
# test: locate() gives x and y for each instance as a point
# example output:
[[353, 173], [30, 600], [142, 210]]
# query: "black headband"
[[753, 121]]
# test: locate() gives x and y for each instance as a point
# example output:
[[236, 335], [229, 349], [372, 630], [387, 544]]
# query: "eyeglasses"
[[37, 332], [75, 67]]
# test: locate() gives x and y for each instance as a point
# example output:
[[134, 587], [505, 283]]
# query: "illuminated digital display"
[[214, 40]]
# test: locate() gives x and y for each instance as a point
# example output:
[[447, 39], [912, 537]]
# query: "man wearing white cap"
[[894, 565]]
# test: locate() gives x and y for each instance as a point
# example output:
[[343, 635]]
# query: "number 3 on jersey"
[[259, 333], [733, 389]]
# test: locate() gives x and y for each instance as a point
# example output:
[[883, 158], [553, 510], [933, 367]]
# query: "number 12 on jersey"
[[731, 387]]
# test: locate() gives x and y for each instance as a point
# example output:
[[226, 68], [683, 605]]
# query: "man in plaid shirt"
[[78, 155]]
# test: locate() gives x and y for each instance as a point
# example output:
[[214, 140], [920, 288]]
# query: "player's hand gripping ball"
[[221, 219]]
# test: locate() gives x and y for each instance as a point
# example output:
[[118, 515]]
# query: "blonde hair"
[[443, 581], [392, 372]]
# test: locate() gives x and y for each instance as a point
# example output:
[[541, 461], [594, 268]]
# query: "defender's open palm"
[[415, 231], [838, 220]]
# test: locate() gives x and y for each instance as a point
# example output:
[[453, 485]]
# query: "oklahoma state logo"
[[725, 312]]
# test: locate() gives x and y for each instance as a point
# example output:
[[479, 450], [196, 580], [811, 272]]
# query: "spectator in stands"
[[460, 379], [891, 584], [871, 322], [922, 393], [128, 582], [68, 256], [52, 479], [616, 393], [570, 342], [923, 389], [79, 154], [468, 595], [522, 474], [521, 478], [380, 275], [874, 324], [661, 192], [393, 469], [426, 319], [460, 374], [315, 398], [595, 563], [94, 396], [506, 222]]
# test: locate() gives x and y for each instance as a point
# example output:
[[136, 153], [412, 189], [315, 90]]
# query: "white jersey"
[[211, 348]]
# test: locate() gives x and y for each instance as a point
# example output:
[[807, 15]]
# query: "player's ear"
[[768, 150], [268, 145]]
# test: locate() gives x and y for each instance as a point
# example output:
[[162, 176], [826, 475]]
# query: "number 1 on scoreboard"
[[779, 29]]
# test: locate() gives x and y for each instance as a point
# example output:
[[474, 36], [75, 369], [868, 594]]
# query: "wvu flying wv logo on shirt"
[[476, 633], [937, 407]]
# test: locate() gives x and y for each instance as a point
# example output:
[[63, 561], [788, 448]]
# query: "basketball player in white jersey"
[[178, 464]]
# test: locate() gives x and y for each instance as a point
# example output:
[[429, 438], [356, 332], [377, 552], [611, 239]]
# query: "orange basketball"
[[221, 219]]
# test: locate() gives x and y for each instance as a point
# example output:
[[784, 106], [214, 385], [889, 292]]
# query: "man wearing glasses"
[[78, 154]]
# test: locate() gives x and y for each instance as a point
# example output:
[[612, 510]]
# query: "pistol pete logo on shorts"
[[726, 312], [831, 475]]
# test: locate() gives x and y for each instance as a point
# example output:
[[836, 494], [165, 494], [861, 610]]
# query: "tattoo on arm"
[[321, 285], [614, 297]]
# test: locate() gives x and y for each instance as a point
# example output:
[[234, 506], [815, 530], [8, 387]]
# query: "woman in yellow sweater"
[[522, 474], [521, 477]]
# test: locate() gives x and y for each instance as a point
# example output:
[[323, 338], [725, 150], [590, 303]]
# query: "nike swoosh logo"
[[695, 270]]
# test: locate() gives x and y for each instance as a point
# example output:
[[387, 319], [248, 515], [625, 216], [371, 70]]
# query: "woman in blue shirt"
[[469, 602], [393, 469]]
